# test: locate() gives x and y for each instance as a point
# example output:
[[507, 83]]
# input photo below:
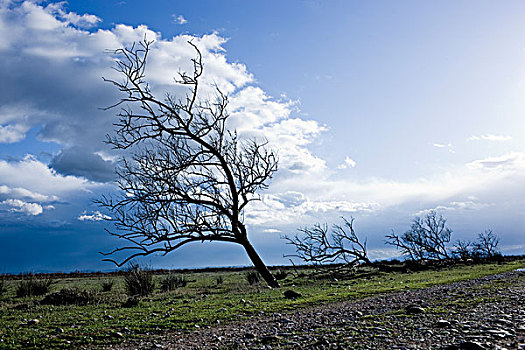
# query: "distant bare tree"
[[189, 178], [463, 249], [486, 244], [318, 246], [426, 239]]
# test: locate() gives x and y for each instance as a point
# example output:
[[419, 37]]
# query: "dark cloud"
[[78, 162]]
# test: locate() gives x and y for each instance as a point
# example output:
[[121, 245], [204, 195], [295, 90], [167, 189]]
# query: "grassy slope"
[[201, 303]]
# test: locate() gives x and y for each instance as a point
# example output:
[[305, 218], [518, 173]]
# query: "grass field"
[[202, 302]]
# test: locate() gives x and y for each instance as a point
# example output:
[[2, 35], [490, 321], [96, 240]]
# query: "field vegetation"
[[81, 310]]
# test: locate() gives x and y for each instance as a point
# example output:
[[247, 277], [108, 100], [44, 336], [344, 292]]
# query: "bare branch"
[[317, 246]]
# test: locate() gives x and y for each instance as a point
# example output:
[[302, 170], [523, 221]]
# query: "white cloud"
[[477, 187], [455, 206], [272, 230], [12, 133], [19, 192], [44, 44], [448, 146], [349, 162], [81, 21], [490, 137], [34, 179], [507, 162], [179, 19], [94, 216], [292, 206], [18, 205]]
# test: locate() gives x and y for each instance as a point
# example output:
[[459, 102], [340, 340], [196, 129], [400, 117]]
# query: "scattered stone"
[[442, 324], [414, 309], [33, 322], [59, 330], [471, 345], [267, 339], [290, 294]]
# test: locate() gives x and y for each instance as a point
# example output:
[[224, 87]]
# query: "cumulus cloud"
[[19, 192], [43, 44], [349, 162], [18, 205], [179, 19], [33, 179], [81, 21], [292, 206], [12, 133], [93, 216], [490, 137]]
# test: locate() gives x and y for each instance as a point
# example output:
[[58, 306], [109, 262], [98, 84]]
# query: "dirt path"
[[487, 313]]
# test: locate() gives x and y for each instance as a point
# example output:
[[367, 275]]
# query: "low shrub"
[[172, 282], [253, 277], [68, 296], [138, 281], [280, 275], [107, 286], [3, 287], [31, 286]]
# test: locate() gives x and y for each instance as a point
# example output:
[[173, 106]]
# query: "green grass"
[[201, 303]]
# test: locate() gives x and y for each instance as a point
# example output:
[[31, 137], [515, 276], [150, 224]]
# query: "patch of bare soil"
[[487, 313]]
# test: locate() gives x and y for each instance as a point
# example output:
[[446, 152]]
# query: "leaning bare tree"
[[427, 238], [316, 245], [189, 178]]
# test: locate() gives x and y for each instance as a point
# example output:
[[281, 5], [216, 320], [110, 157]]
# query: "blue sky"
[[379, 110]]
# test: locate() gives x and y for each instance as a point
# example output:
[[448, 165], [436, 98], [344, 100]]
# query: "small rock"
[[59, 330], [471, 345], [499, 333], [249, 335], [119, 335], [108, 317], [414, 309], [442, 324], [269, 339], [290, 294], [33, 322]]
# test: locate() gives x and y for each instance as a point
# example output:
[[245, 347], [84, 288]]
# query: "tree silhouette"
[[186, 177], [427, 238], [316, 245]]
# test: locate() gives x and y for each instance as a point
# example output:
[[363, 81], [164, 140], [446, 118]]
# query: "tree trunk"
[[260, 266]]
